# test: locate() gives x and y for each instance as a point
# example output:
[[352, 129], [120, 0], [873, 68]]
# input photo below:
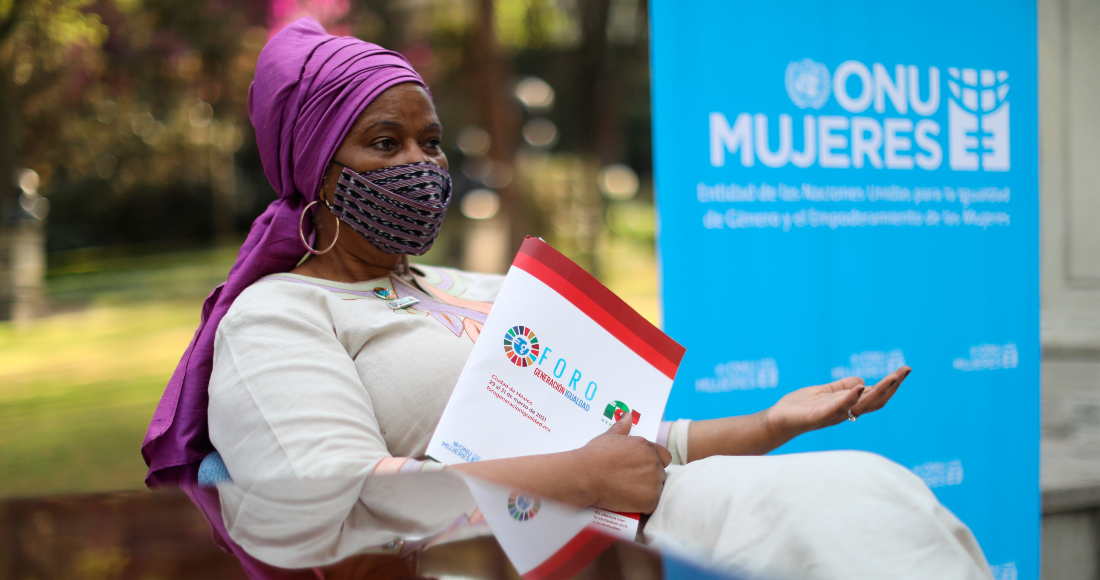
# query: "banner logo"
[[987, 357], [870, 364], [940, 473], [616, 409], [521, 346], [523, 507], [807, 83], [740, 375], [977, 120], [890, 119]]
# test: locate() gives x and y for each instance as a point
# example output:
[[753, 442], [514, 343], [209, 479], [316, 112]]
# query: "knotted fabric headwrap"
[[308, 90]]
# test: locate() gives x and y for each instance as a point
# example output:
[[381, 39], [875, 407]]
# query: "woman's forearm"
[[558, 476], [797, 412], [613, 471], [740, 435]]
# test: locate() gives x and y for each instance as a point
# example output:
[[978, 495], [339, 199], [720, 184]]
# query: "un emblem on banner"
[[807, 83]]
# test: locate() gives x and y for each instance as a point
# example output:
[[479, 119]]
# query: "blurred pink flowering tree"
[[330, 13]]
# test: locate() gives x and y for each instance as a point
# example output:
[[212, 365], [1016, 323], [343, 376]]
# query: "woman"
[[307, 375]]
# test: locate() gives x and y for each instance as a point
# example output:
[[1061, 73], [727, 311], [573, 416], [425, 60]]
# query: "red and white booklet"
[[560, 359]]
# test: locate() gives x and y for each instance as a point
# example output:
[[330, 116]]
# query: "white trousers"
[[813, 516]]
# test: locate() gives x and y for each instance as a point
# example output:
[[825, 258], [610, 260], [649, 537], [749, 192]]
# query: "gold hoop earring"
[[303, 236]]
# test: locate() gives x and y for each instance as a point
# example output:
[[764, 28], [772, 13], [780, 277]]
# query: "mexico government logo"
[[523, 507], [615, 410], [521, 346]]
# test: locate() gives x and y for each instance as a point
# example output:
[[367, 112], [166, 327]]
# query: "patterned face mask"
[[398, 209]]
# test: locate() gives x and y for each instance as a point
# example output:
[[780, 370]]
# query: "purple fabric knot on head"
[[308, 90]]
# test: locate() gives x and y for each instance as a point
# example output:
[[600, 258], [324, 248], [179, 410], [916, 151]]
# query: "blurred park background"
[[136, 177], [129, 176]]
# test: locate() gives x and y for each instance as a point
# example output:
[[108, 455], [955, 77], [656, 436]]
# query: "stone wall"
[[1069, 125]]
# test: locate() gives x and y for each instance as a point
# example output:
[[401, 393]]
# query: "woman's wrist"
[[776, 430], [586, 475], [755, 434]]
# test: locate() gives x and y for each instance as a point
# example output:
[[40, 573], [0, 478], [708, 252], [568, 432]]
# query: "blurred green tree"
[[34, 34], [131, 112], [134, 112]]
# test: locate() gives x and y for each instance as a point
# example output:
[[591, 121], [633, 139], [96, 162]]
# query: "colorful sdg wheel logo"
[[521, 346], [523, 507]]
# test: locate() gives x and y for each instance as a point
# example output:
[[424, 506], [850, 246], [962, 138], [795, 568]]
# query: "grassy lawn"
[[77, 389]]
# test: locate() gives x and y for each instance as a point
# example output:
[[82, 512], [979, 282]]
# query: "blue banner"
[[845, 187]]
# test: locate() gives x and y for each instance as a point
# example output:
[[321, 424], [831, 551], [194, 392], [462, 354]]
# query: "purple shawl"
[[308, 90]]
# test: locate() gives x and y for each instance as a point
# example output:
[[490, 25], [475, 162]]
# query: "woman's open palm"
[[824, 405]]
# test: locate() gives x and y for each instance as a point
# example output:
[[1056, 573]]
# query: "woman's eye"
[[434, 144], [385, 144]]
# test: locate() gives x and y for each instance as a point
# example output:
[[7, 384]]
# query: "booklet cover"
[[560, 359]]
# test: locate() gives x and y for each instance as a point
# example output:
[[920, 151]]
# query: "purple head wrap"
[[308, 90]]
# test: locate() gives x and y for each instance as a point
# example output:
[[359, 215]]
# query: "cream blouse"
[[318, 385]]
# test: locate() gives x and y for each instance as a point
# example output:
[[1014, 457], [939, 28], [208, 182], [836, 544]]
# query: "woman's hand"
[[614, 471], [824, 405], [625, 473]]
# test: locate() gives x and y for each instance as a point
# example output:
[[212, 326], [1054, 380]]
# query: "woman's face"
[[400, 126]]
